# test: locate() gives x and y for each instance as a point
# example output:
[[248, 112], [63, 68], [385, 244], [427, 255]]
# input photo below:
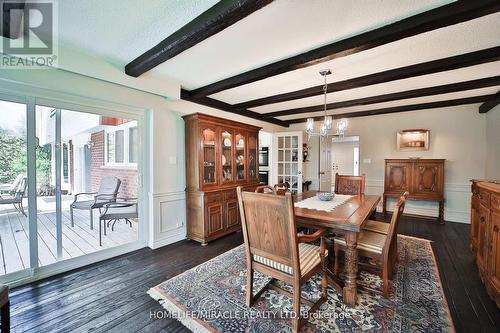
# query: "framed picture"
[[413, 140]]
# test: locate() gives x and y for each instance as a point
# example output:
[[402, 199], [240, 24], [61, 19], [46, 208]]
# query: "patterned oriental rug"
[[211, 298]]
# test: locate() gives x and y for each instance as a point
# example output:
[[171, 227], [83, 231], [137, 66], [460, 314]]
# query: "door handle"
[[300, 172], [321, 173]]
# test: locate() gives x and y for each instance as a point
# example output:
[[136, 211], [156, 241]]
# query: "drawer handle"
[[482, 219], [495, 228]]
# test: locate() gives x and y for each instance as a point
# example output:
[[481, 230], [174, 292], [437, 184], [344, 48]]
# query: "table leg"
[[441, 212], [351, 269]]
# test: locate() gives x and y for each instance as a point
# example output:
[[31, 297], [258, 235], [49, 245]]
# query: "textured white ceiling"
[[282, 29], [120, 30], [117, 31]]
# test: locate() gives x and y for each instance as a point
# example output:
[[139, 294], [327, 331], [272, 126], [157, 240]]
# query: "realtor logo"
[[29, 31]]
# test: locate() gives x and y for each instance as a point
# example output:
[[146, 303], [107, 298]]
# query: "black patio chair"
[[122, 209], [16, 197], [108, 191]]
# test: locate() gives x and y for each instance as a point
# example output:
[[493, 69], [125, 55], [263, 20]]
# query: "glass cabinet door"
[[227, 156], [240, 156], [252, 156], [209, 156]]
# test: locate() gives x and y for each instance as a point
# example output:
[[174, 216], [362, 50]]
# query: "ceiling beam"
[[430, 91], [425, 68], [402, 108], [213, 103], [490, 104], [440, 17], [217, 18]]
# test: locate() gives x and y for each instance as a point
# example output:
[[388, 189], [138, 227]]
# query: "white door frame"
[[87, 105]]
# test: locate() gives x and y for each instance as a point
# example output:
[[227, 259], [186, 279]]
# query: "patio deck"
[[77, 240]]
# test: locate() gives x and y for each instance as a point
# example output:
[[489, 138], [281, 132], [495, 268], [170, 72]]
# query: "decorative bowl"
[[325, 196]]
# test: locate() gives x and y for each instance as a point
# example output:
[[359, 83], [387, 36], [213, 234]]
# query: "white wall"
[[493, 143], [457, 134], [165, 166]]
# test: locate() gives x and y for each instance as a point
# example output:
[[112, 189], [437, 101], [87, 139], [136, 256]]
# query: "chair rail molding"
[[169, 216], [456, 195]]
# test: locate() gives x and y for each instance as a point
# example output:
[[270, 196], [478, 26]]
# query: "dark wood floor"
[[111, 296]]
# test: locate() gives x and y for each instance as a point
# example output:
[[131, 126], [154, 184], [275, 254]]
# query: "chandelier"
[[326, 128]]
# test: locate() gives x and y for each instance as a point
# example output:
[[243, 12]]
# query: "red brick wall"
[[128, 177]]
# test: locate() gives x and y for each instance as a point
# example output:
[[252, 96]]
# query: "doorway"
[[338, 155]]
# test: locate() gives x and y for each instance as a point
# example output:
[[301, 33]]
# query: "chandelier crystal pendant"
[[327, 125]]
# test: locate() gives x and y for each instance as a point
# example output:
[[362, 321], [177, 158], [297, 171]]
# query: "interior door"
[[325, 165], [288, 163]]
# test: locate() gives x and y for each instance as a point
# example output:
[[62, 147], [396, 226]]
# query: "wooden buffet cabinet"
[[485, 234], [423, 178], [220, 155]]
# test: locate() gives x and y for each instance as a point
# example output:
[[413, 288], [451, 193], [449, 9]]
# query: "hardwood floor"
[[111, 296]]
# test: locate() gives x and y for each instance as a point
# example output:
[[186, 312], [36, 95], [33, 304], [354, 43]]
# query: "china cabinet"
[[220, 155]]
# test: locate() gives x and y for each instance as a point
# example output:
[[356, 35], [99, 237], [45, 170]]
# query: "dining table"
[[346, 219]]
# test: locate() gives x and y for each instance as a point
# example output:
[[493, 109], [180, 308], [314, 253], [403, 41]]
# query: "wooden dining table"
[[346, 219]]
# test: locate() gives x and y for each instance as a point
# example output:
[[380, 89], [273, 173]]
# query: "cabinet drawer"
[[484, 197], [213, 197], [230, 195], [495, 202]]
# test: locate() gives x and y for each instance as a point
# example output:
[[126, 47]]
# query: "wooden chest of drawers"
[[485, 234]]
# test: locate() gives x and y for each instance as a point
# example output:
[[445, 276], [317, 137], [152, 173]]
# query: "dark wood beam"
[[220, 16], [403, 108], [425, 68], [213, 103], [430, 91], [490, 104], [440, 17]]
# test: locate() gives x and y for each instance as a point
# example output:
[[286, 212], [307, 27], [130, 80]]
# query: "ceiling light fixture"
[[326, 126]]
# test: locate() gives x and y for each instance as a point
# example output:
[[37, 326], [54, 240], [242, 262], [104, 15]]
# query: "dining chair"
[[4, 308], [265, 189], [379, 247], [347, 184], [274, 248], [282, 188]]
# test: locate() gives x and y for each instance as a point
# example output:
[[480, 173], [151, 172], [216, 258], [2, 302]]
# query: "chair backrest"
[[265, 189], [346, 184], [16, 182], [21, 188], [269, 227], [396, 216], [282, 188], [109, 186]]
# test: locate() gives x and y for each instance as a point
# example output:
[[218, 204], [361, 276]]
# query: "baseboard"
[[168, 240]]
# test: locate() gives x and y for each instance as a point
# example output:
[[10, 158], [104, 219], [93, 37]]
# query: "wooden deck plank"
[[12, 257], [21, 237], [77, 241]]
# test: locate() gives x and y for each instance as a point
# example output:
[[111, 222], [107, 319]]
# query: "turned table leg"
[[351, 269], [441, 212]]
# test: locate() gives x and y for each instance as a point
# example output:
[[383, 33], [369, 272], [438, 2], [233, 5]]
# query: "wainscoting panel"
[[456, 207], [169, 218]]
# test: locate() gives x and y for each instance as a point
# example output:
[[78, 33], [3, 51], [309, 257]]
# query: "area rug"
[[211, 298]]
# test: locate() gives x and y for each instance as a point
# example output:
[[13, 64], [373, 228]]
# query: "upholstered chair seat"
[[376, 226], [309, 258]]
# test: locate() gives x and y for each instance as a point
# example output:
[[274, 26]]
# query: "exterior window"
[[121, 145], [65, 168], [132, 157]]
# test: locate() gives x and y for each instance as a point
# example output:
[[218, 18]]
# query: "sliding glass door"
[[14, 222], [69, 186], [86, 168]]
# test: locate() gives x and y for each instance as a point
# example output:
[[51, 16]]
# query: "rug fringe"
[[188, 322]]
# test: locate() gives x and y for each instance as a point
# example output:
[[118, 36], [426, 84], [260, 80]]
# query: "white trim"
[[168, 228], [126, 145]]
